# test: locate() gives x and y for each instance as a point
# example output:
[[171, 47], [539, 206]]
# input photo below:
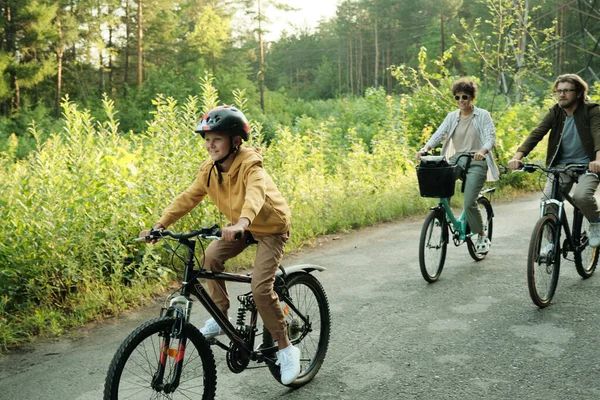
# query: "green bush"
[[71, 207]]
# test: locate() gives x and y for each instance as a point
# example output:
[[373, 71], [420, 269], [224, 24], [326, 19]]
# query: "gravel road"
[[474, 334]]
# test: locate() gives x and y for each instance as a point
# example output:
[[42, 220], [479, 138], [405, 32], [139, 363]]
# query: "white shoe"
[[288, 360], [594, 239], [211, 329], [483, 245], [545, 251]]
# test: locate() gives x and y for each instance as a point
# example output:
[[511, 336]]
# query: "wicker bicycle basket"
[[435, 177]]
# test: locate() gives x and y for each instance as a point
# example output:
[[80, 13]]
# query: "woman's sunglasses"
[[464, 97]]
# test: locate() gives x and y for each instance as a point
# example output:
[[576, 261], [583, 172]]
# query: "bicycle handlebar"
[[470, 155], [212, 232], [577, 168]]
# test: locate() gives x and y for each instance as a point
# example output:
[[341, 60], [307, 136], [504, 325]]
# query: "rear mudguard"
[[283, 271]]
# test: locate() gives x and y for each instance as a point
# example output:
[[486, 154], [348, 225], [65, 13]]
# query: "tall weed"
[[72, 206]]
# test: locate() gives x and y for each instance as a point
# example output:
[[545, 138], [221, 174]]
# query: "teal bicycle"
[[441, 225]]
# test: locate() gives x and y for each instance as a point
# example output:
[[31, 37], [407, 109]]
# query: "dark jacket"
[[587, 121]]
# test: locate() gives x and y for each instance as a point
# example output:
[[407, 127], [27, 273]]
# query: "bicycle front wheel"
[[487, 216], [156, 362], [543, 262], [586, 257], [310, 299], [432, 246]]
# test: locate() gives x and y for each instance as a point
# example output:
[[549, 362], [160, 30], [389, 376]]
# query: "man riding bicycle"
[[574, 126]]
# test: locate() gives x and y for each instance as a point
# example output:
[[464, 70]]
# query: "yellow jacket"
[[247, 191]]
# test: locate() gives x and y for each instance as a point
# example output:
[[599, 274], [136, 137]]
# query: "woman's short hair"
[[465, 85], [580, 86]]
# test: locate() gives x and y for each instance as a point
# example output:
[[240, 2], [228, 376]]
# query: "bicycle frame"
[[191, 286], [561, 218], [458, 226]]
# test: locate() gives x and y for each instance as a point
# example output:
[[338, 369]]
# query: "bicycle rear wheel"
[[144, 366], [543, 262], [586, 257], [310, 299], [432, 246], [487, 216]]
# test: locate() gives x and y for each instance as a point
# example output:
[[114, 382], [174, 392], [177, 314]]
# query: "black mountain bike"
[[545, 247], [168, 357]]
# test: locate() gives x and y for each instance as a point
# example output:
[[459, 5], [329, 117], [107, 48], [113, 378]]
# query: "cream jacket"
[[486, 132]]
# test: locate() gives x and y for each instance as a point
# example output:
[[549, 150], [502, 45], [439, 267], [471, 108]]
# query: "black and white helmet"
[[224, 119]]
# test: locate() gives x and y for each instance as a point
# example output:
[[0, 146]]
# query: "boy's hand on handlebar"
[[148, 232], [594, 166], [515, 164], [231, 232]]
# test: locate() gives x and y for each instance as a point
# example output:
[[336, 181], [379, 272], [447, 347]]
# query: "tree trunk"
[[59, 58], [10, 47], [376, 83], [522, 48], [139, 45], [339, 72], [351, 64], [126, 55], [359, 65], [110, 55], [442, 32], [261, 72]]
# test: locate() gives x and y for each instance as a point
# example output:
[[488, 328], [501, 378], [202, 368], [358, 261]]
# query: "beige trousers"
[[268, 257], [583, 195]]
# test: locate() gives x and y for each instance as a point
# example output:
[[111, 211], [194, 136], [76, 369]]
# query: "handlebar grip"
[[219, 233]]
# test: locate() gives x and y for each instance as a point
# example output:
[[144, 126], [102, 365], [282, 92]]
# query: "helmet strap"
[[217, 164]]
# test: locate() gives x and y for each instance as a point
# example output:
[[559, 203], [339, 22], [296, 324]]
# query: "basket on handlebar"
[[435, 177]]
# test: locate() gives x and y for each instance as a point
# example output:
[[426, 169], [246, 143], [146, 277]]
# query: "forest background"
[[98, 100]]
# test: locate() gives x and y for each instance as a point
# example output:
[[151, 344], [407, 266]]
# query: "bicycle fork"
[[180, 307]]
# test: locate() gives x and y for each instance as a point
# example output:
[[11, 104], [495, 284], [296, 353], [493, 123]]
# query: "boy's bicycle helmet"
[[224, 119]]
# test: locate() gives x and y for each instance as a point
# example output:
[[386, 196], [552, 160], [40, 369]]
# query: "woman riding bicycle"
[[234, 178], [468, 130]]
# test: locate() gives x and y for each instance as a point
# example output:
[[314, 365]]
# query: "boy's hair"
[[465, 85], [580, 86]]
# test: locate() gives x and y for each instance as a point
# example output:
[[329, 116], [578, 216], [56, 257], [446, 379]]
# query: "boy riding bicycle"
[[574, 126], [234, 179]]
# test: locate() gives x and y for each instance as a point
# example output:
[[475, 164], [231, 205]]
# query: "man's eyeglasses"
[[562, 91], [464, 97]]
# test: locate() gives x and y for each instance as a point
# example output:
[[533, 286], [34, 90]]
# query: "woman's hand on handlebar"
[[231, 232], [421, 153], [480, 155]]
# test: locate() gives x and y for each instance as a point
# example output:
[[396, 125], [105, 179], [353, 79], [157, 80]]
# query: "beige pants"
[[583, 195], [268, 256]]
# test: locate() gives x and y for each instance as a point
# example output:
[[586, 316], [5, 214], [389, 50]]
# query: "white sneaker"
[[594, 239], [288, 360], [483, 245], [211, 329], [545, 251]]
